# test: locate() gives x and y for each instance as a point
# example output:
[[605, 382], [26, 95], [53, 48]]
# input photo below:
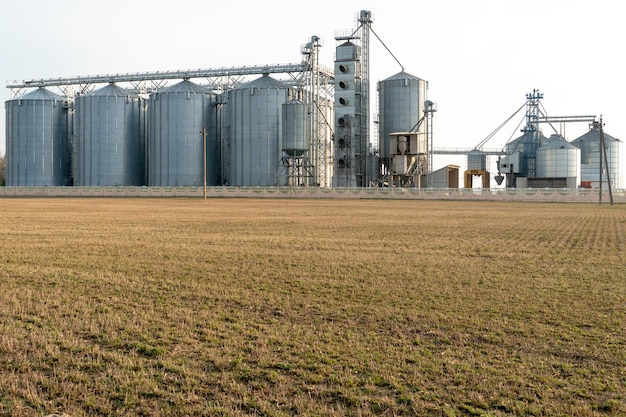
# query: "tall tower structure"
[[531, 133], [352, 105]]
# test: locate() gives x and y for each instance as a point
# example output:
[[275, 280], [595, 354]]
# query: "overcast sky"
[[480, 57]]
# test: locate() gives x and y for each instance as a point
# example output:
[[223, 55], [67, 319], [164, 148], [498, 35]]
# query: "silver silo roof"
[[264, 81], [42, 94], [402, 75], [556, 142], [184, 87], [111, 90]]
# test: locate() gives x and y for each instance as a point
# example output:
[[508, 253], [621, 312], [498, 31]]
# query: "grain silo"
[[177, 117], [401, 97], [110, 138], [255, 136], [559, 159], [37, 140], [296, 129], [297, 169], [590, 155]]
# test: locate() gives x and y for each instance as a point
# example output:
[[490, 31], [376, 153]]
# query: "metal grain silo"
[[110, 144], [255, 132], [296, 129], [37, 140], [557, 158], [589, 145], [177, 117], [401, 99]]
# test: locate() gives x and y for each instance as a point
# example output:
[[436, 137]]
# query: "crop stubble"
[[312, 307]]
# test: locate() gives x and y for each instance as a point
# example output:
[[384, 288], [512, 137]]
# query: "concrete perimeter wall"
[[494, 194]]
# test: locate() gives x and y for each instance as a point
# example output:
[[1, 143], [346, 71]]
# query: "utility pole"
[[204, 162], [606, 162]]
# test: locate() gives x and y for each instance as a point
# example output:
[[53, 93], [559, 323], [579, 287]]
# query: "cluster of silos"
[[255, 132], [181, 137], [170, 139], [37, 141], [109, 138], [401, 106]]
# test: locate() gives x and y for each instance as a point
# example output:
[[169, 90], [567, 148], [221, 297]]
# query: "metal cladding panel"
[[296, 132], [401, 99], [110, 146], [255, 132], [557, 158], [177, 117], [37, 140]]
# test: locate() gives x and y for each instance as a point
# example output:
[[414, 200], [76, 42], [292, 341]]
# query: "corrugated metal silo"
[[255, 131], [110, 144], [177, 116], [589, 145], [296, 129], [557, 158], [401, 99], [37, 140]]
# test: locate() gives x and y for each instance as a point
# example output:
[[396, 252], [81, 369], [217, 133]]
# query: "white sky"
[[480, 57]]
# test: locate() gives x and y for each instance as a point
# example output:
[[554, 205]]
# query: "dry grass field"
[[244, 307]]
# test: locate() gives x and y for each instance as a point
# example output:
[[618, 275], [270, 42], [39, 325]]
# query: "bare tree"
[[3, 166]]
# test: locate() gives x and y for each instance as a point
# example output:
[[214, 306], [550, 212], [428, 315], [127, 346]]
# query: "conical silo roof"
[[264, 81], [185, 86], [42, 94], [111, 90], [556, 142], [593, 135], [402, 75]]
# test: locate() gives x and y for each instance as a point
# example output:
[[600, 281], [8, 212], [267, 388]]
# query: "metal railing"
[[565, 195]]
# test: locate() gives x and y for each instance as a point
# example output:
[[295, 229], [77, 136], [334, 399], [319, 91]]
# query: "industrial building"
[[298, 125]]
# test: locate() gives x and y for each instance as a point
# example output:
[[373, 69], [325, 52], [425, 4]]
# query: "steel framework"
[[314, 82]]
